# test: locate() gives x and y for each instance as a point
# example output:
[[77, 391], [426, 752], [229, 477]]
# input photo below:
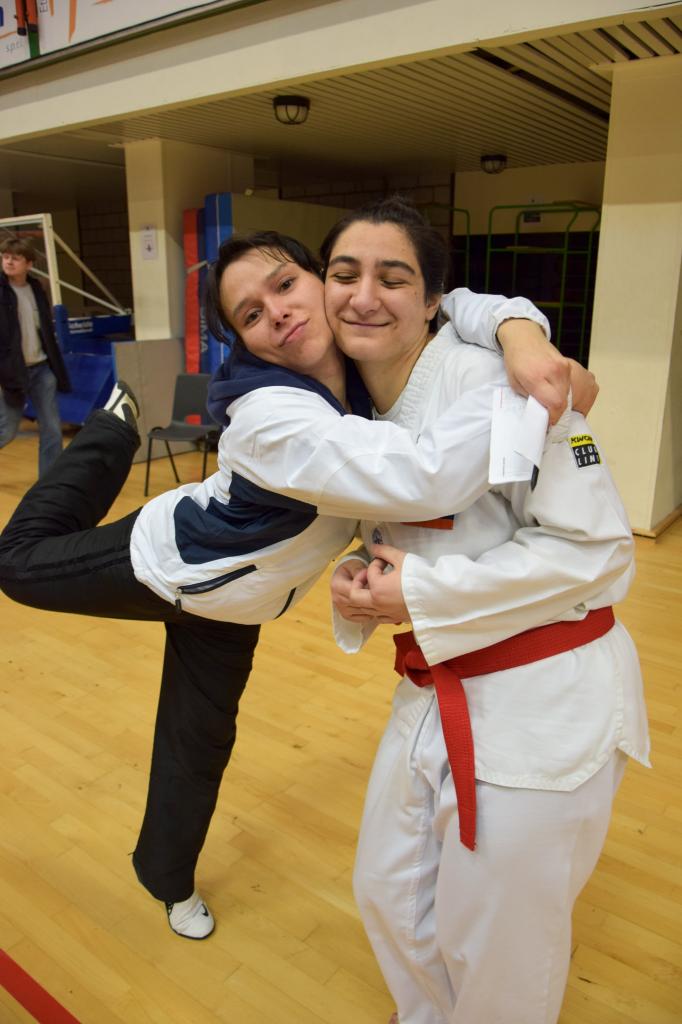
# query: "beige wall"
[[636, 348], [163, 179], [246, 49], [478, 192], [306, 221], [166, 178]]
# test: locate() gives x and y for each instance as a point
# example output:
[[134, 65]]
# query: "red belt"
[[447, 676]]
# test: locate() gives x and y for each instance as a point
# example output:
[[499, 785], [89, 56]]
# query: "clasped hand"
[[362, 593]]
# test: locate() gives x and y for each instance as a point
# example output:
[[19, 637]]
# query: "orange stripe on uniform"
[[443, 523]]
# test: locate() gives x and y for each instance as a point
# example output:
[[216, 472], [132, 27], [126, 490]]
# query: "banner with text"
[[33, 28]]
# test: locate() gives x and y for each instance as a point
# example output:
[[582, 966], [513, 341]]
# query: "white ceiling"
[[542, 101]]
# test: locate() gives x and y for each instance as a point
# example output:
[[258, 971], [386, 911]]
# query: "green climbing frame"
[[523, 245]]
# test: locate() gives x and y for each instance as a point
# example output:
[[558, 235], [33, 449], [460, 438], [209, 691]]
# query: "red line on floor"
[[32, 996]]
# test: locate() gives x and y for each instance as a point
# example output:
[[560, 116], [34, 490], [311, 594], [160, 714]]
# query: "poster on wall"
[[32, 28]]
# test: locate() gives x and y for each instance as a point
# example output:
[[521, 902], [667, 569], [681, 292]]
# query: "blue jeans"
[[42, 390]]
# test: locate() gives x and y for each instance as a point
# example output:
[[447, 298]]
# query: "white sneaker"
[[123, 403], [192, 919]]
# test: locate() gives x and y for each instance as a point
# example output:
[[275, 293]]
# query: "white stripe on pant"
[[462, 937]]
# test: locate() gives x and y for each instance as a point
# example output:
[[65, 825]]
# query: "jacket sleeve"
[[12, 367], [573, 552], [476, 318], [357, 468]]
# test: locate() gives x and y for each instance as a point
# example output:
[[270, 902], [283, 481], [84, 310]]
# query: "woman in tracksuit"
[[215, 559]]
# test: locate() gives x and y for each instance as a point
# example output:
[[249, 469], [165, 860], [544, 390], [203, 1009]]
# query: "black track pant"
[[54, 556]]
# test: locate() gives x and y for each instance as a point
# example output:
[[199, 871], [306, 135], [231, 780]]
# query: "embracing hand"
[[383, 590], [363, 593], [584, 387], [341, 586], [534, 366]]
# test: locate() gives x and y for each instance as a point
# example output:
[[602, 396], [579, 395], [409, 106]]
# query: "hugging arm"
[[293, 442], [534, 366]]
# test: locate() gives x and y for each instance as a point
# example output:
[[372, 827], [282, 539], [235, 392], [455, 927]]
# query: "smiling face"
[[277, 309], [374, 295]]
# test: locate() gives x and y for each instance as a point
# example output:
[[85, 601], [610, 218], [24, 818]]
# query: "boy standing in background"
[[31, 363]]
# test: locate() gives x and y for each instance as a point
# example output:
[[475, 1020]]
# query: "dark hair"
[[428, 243], [19, 247], [281, 247]]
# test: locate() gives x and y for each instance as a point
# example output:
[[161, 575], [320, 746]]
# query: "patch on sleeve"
[[585, 450]]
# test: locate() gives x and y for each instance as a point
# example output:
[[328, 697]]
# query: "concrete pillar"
[[636, 347], [164, 178]]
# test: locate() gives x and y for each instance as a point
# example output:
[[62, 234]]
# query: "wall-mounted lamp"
[[291, 109], [493, 163]]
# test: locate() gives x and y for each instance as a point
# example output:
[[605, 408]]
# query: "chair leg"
[[146, 476], [170, 456]]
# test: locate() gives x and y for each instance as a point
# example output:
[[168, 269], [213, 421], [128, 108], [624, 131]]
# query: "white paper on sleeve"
[[517, 438]]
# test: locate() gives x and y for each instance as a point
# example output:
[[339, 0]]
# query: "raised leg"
[[206, 666], [52, 553]]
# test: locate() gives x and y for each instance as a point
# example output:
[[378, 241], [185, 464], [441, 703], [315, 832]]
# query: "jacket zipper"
[[213, 584], [287, 602]]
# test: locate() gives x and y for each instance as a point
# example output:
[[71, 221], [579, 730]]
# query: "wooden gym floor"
[[77, 701]]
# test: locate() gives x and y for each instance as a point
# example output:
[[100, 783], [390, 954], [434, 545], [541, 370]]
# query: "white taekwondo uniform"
[[294, 476], [483, 937]]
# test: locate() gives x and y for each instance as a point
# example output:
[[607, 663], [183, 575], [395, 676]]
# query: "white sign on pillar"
[[149, 246]]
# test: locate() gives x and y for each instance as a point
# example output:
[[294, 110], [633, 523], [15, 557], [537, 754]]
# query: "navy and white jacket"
[[295, 473]]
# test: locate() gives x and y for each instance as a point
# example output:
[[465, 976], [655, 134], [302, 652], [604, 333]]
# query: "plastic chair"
[[191, 392]]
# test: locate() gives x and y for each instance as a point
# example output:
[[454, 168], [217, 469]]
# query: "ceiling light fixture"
[[493, 163], [291, 109]]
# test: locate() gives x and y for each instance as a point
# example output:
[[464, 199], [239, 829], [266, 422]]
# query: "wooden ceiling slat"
[[514, 94], [367, 148], [573, 55], [451, 128], [610, 50], [600, 50], [589, 54], [554, 106], [666, 28], [544, 65], [675, 19], [512, 116], [355, 99], [263, 133], [539, 65], [381, 86], [627, 39], [651, 37], [564, 55], [369, 138]]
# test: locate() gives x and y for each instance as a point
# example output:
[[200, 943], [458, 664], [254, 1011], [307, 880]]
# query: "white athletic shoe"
[[123, 403], [192, 919]]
